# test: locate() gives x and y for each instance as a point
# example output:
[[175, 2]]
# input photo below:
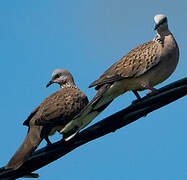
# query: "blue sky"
[[86, 37]]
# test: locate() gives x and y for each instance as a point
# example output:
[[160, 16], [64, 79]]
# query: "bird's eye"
[[57, 76], [163, 21]]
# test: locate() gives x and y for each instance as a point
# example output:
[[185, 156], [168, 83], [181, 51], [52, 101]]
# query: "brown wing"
[[26, 122], [135, 63], [59, 108]]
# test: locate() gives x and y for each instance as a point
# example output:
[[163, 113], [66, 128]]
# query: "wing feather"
[[59, 108], [137, 62]]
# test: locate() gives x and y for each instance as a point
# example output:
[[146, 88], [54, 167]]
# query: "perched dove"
[[142, 68], [50, 116]]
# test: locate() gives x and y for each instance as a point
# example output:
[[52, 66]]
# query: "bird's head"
[[161, 22], [61, 77]]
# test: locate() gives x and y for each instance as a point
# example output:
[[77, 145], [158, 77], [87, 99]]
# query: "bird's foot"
[[137, 96], [48, 141], [137, 100], [150, 88]]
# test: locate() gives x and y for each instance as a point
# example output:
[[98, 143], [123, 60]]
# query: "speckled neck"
[[160, 36], [71, 85]]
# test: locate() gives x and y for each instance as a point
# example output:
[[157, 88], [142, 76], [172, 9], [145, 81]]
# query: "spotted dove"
[[50, 116], [142, 68]]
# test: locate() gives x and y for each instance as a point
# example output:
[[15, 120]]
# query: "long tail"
[[28, 146], [99, 102]]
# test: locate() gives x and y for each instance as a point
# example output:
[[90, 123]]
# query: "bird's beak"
[[156, 26], [49, 83]]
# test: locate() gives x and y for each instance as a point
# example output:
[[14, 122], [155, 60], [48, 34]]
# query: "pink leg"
[[136, 94], [150, 88]]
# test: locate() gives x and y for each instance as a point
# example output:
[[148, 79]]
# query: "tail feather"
[[25, 150], [92, 110], [98, 102]]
